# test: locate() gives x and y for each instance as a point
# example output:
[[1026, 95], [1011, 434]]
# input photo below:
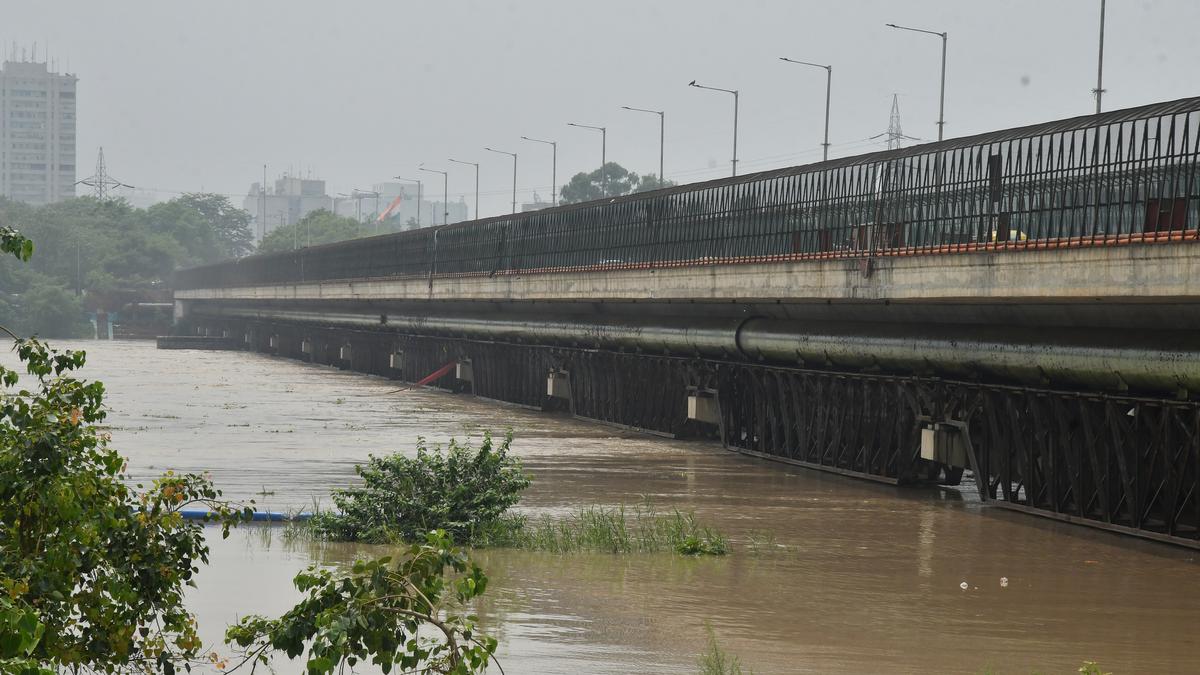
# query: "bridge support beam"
[[1121, 463]]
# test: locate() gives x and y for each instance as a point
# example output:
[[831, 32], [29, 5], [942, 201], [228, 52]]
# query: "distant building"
[[367, 207], [292, 199], [536, 205], [37, 133]]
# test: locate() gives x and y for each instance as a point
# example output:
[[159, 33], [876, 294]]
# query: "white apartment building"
[[37, 133], [292, 199], [367, 205]]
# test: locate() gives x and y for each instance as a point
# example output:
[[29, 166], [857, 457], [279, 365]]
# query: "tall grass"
[[715, 661], [622, 529]]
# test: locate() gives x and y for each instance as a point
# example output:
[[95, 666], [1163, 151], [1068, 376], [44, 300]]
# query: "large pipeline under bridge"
[[1094, 427], [1159, 363]]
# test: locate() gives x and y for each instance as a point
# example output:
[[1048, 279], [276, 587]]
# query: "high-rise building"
[[292, 199], [37, 132], [407, 213]]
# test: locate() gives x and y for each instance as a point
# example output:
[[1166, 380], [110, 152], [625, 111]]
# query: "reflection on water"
[[843, 576]]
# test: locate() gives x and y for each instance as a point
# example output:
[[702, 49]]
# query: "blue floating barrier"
[[259, 516]]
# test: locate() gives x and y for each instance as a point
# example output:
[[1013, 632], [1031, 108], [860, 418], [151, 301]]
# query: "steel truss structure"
[[1122, 463]]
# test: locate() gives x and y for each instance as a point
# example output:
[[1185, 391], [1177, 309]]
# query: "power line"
[[780, 160]]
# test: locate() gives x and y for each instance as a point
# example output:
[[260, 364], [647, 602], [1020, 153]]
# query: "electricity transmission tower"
[[101, 182], [895, 133]]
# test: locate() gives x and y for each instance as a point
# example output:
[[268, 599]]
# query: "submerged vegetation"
[[716, 661], [638, 529], [462, 490], [469, 492]]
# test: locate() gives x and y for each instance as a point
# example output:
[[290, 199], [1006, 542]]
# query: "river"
[[827, 574]]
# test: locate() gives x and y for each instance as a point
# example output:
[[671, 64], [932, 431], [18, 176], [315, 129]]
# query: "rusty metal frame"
[[1123, 463]]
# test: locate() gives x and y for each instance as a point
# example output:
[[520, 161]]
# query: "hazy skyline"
[[194, 96]]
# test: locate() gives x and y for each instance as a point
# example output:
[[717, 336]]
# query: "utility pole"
[[262, 222], [445, 193], [662, 130], [476, 165], [553, 167], [942, 97], [735, 116], [1099, 90], [514, 156], [419, 195], [603, 151], [828, 90], [359, 195]]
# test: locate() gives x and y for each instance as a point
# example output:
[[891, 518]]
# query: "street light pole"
[[1100, 62], [445, 193], [476, 165], [514, 156], [942, 98], [662, 127], [603, 150], [828, 90], [344, 197], [735, 115], [359, 195], [553, 167], [418, 182]]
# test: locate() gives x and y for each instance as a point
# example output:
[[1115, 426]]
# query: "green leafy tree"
[[110, 251], [585, 187], [102, 565], [612, 180], [463, 490], [206, 225], [229, 224], [20, 633], [651, 181], [92, 571], [407, 614], [16, 244], [318, 227], [48, 308]]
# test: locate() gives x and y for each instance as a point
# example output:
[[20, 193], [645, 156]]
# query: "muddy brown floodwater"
[[856, 577]]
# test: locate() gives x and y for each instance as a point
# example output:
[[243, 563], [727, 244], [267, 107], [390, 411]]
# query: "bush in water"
[[462, 490], [385, 611]]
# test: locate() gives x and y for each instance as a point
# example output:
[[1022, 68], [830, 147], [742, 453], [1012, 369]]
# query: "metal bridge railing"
[[1118, 177]]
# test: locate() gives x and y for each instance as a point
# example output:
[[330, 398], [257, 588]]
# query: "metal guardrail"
[[1117, 177]]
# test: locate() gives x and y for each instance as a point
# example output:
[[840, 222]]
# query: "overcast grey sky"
[[191, 95]]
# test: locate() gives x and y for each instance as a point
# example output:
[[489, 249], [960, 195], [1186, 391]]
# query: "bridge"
[[1019, 306]]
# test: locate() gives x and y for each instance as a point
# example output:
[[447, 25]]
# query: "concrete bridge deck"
[[1140, 285]]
